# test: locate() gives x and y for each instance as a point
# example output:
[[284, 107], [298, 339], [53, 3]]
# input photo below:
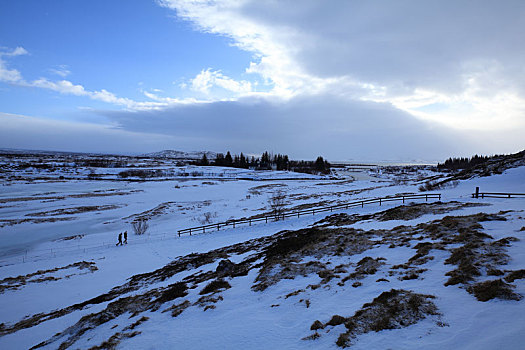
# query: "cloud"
[[18, 51], [302, 127], [61, 70], [10, 75], [347, 79], [164, 102], [62, 86], [25, 132], [207, 79], [466, 56], [66, 87]]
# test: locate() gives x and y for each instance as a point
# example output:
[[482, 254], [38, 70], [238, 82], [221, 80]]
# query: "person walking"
[[125, 237], [119, 239]]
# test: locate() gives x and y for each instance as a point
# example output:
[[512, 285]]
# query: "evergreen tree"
[[219, 160], [463, 162], [242, 162], [265, 160], [319, 164], [228, 161], [204, 160]]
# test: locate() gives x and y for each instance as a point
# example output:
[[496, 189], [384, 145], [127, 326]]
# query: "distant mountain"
[[20, 151], [169, 153]]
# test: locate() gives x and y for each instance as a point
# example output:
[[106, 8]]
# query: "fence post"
[[203, 229], [266, 218], [379, 201], [403, 199], [426, 197], [476, 195], [218, 227], [313, 211], [362, 204], [233, 223], [250, 222], [190, 231]]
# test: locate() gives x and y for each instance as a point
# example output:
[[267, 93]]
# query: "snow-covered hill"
[[181, 154], [433, 275]]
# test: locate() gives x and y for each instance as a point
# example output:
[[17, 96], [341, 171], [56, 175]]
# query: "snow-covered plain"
[[91, 213]]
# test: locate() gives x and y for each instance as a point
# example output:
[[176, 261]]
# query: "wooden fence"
[[497, 195], [297, 213]]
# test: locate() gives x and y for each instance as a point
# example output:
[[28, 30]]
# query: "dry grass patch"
[[402, 212], [394, 309], [366, 266], [75, 210], [15, 283], [114, 341], [215, 286], [515, 275], [485, 291]]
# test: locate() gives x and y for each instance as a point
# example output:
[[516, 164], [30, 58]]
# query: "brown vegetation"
[[396, 308], [75, 210], [402, 212], [215, 286], [484, 291], [14, 283], [308, 251]]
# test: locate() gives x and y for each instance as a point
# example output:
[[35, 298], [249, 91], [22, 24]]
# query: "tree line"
[[463, 163], [267, 161]]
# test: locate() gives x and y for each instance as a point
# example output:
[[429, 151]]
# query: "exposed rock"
[[228, 268]]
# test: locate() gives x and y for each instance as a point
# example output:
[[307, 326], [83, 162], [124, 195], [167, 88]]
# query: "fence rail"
[[298, 213], [497, 195]]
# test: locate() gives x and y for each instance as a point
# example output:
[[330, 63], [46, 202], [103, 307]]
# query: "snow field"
[[246, 318]]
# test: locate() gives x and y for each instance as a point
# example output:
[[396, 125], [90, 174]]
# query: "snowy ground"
[[36, 217]]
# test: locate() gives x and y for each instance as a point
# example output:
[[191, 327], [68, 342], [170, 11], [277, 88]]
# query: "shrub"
[[207, 217], [215, 286], [140, 227], [277, 202]]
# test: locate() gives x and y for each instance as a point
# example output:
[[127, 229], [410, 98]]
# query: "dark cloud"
[[401, 44], [456, 62], [302, 127], [23, 132]]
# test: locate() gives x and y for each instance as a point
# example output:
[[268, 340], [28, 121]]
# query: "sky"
[[405, 80]]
